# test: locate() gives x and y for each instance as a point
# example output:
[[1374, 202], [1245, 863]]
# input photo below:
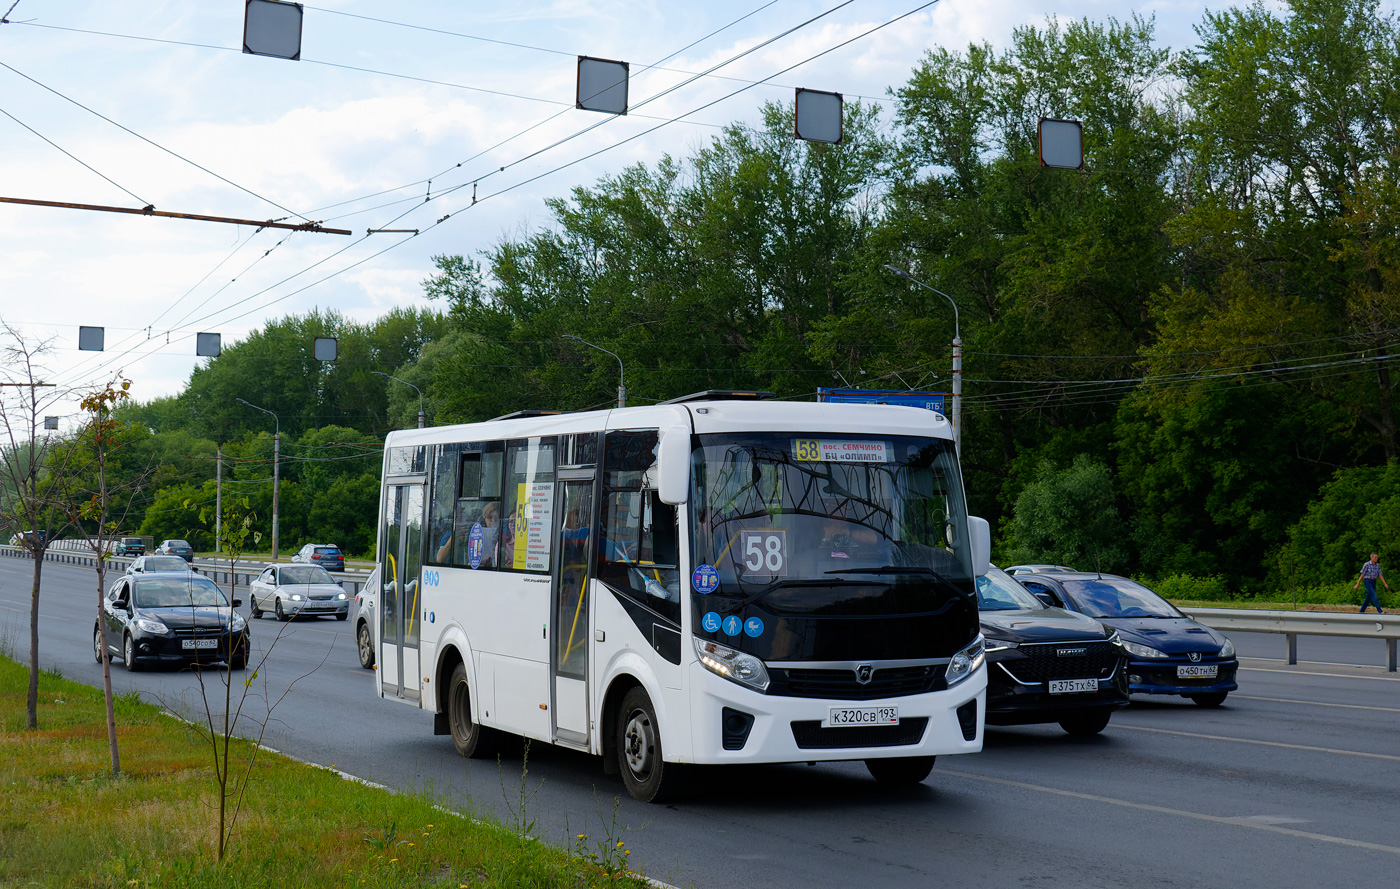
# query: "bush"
[[1190, 588]]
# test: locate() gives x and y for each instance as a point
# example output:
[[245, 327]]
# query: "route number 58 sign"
[[763, 553]]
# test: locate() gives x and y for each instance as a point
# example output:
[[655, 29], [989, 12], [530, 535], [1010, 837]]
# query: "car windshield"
[[165, 563], [811, 513], [1117, 597], [305, 574], [172, 593], [328, 551], [996, 591], [130, 540], [180, 543]]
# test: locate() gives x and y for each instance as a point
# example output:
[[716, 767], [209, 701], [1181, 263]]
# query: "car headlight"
[[965, 663], [342, 597], [1143, 650], [295, 597], [1228, 649], [732, 664], [154, 627], [236, 625], [993, 645]]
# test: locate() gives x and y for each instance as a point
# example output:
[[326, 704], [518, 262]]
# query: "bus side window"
[[637, 550]]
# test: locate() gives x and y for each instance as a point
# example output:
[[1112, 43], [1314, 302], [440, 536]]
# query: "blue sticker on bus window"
[[704, 578], [753, 627], [476, 541], [732, 626], [710, 621]]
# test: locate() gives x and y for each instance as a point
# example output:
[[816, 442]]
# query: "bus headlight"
[[965, 663], [732, 664]]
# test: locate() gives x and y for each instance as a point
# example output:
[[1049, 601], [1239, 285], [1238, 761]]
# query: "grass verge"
[[66, 821]]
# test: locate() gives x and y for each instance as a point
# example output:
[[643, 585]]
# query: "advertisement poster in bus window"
[[534, 517]]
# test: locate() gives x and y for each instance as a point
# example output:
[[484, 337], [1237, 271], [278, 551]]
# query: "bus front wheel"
[[471, 739], [645, 772]]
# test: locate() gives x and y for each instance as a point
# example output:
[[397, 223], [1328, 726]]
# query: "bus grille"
[[810, 735], [841, 685]]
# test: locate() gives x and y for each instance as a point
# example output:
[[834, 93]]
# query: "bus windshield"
[[825, 509]]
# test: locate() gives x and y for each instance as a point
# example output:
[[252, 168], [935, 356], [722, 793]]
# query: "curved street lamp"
[[957, 354], [621, 386], [276, 457], [415, 389]]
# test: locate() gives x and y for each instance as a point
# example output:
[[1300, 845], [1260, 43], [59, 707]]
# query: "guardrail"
[[1292, 624], [67, 555]]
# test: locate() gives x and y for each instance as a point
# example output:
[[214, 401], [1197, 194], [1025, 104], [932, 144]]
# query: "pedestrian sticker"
[[476, 540], [710, 621], [732, 625], [704, 578]]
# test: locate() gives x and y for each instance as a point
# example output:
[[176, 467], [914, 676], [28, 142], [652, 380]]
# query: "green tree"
[[1069, 517]]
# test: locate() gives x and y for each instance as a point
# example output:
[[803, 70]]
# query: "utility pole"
[[276, 457]]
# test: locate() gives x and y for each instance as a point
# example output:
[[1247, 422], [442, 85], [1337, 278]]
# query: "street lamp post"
[[218, 491], [621, 386], [415, 389], [276, 456], [957, 354]]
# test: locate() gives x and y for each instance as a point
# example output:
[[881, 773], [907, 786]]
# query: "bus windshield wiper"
[[887, 569]]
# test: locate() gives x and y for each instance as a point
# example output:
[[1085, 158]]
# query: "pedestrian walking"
[[1370, 573]]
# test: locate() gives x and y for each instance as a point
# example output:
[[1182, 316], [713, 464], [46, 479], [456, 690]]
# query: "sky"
[[453, 119]]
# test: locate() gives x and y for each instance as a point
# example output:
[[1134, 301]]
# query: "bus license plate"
[[200, 643], [1196, 671], [1072, 686], [837, 717]]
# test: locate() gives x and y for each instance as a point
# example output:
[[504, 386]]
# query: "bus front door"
[[573, 619], [401, 606]]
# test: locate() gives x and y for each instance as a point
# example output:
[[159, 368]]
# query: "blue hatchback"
[[1170, 654]]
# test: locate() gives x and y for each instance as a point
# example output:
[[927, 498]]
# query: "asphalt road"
[[1295, 782]]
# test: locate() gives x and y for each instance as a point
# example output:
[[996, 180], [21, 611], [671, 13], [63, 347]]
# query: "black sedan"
[[171, 619], [1047, 664], [1171, 654]]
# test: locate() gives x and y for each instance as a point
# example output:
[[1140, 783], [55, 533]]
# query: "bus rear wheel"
[[900, 771], [471, 739], [645, 772]]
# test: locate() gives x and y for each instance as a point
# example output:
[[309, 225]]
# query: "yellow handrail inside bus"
[[578, 607]]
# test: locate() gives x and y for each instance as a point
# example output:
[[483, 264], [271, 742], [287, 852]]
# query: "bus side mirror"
[[673, 466], [980, 534]]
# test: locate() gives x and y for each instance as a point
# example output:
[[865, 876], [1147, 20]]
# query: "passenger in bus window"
[[452, 548]]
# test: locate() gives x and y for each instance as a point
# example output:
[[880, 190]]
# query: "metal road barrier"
[[71, 552], [1292, 624]]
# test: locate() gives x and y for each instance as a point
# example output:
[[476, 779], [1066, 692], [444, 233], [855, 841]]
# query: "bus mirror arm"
[[673, 462], [980, 534]]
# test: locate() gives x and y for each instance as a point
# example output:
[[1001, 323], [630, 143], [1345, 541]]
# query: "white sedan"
[[290, 591]]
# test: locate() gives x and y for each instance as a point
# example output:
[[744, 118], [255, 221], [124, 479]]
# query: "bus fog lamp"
[[734, 665]]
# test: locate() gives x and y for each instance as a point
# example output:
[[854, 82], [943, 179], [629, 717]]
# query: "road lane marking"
[[1243, 821], [1334, 675], [1164, 731], [1316, 703]]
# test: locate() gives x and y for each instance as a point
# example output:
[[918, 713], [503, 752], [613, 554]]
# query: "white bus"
[[714, 579]]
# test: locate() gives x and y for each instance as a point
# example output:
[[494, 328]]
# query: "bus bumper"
[[734, 724]]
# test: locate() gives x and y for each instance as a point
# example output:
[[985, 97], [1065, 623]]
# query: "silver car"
[[362, 617], [290, 591], [149, 564]]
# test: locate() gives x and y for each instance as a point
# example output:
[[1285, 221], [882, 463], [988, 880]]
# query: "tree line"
[[1186, 343]]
